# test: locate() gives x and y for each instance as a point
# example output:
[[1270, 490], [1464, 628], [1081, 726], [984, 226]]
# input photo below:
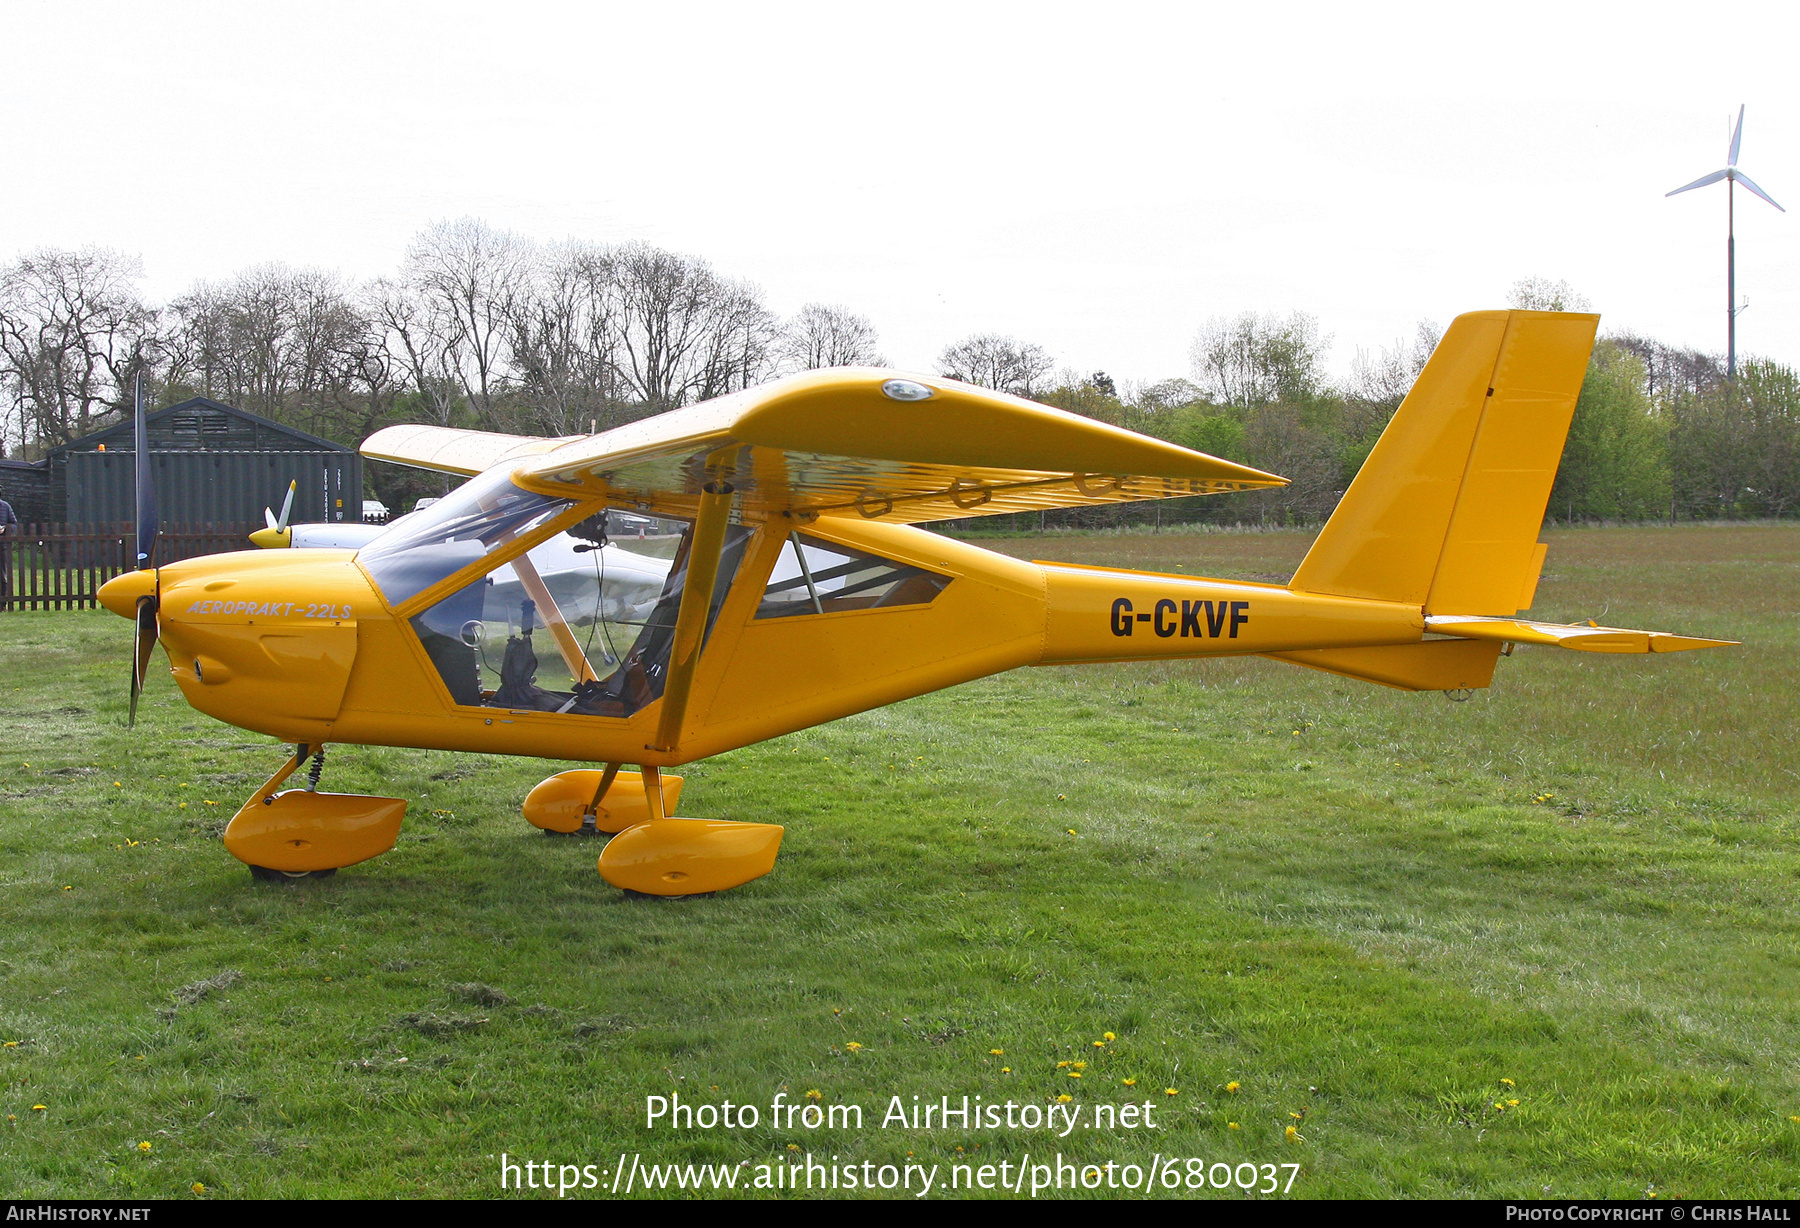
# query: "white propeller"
[[287, 507]]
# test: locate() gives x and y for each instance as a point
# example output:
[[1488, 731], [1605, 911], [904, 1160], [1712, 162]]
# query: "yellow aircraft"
[[787, 585]]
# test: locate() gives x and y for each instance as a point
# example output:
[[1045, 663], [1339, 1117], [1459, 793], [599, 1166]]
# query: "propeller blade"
[[140, 651], [146, 487], [1737, 137], [1700, 182], [1747, 182], [269, 518], [287, 505]]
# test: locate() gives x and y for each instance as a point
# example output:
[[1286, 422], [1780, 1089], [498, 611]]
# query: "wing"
[[869, 443], [450, 450]]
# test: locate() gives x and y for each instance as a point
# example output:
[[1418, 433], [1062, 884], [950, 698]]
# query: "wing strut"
[[696, 596]]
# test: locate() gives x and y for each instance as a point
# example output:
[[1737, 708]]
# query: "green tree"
[[1615, 463]]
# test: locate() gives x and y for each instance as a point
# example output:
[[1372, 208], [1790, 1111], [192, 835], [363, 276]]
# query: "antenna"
[[1732, 176]]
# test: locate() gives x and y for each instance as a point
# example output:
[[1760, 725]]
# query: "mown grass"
[[1363, 907]]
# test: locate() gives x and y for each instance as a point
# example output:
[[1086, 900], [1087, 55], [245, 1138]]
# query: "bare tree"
[[1542, 294], [1386, 379], [1251, 360], [683, 332], [465, 279], [564, 342], [413, 344], [998, 362], [823, 335], [291, 344], [73, 331]]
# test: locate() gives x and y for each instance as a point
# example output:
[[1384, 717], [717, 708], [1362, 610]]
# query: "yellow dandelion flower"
[[1794, 1117], [12, 1044], [1233, 1087], [1071, 831], [1294, 1136], [815, 1095], [1061, 1065], [1079, 1065], [996, 1052], [1506, 1083], [1064, 1098], [117, 785], [197, 1188], [1109, 1037], [144, 1146], [39, 1108], [793, 1146], [1099, 1044], [1006, 1070], [1232, 1125], [1499, 1106], [837, 1010], [1298, 1116], [1170, 1091], [1129, 1082], [853, 1046], [1512, 1104], [183, 806], [1074, 1074], [67, 887]]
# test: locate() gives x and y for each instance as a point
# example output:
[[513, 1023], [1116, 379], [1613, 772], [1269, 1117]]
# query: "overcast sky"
[[1099, 179]]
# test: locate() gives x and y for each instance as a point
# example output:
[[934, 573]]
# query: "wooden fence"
[[62, 566]]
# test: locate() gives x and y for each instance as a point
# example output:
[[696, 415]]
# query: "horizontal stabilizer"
[[1586, 637]]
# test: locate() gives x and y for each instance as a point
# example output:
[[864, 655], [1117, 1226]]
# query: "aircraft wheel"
[[263, 874]]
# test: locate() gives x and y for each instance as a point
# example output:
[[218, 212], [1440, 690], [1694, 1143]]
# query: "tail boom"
[[1109, 614]]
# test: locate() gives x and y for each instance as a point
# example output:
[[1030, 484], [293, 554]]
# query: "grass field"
[[1296, 901]]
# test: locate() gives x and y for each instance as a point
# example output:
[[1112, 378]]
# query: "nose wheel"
[[263, 874]]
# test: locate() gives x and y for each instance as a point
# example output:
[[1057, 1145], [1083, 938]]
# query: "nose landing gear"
[[302, 833]]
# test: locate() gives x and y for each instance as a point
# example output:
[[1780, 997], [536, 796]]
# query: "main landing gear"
[[651, 853], [302, 833]]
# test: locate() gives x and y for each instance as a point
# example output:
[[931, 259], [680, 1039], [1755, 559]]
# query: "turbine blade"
[[1699, 183], [1737, 137], [1747, 182]]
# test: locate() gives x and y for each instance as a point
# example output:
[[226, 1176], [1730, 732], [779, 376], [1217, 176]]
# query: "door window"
[[583, 623]]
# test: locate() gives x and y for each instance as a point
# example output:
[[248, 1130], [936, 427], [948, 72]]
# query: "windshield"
[[466, 524]]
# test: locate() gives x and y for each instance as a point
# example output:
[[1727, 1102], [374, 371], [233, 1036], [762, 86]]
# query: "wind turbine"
[[1732, 176]]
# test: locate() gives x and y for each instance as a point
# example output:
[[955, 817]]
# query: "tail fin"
[[1445, 513]]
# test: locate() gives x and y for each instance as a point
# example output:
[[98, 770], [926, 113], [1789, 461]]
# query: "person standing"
[[9, 528]]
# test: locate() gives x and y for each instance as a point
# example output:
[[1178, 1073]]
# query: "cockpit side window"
[[583, 623], [819, 577], [471, 521]]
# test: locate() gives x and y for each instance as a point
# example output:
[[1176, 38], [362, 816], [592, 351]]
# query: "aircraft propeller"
[[151, 602], [280, 523]]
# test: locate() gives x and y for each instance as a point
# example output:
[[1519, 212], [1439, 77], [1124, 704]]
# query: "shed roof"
[[164, 426]]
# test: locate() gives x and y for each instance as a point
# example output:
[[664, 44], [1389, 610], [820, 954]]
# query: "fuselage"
[[304, 645]]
